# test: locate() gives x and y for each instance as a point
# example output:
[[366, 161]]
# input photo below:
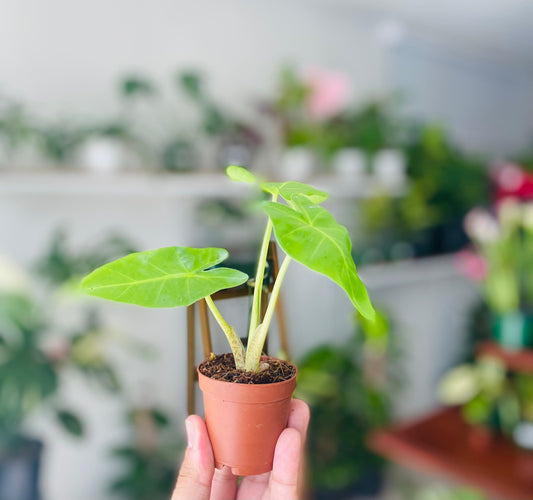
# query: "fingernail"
[[189, 429]]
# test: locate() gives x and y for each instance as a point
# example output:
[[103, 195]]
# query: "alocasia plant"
[[179, 276]]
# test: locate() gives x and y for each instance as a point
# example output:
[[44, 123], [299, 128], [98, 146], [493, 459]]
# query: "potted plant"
[[236, 142], [149, 458], [348, 388], [502, 261], [244, 437], [31, 362], [485, 396], [305, 107]]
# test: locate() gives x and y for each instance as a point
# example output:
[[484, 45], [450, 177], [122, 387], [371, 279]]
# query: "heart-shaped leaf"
[[167, 277], [288, 190], [311, 236]]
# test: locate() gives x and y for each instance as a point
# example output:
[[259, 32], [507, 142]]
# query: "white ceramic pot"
[[102, 155], [297, 164], [389, 167], [350, 163]]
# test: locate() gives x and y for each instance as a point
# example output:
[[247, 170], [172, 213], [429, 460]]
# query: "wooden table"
[[439, 443]]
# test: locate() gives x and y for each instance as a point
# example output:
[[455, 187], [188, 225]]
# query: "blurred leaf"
[[70, 422], [160, 418], [191, 83], [136, 85], [459, 385]]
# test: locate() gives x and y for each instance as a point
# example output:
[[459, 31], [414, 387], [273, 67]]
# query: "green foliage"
[[345, 407], [60, 140], [179, 276], [148, 468], [451, 181], [287, 190], [167, 277], [60, 264], [215, 121], [16, 127], [310, 235], [137, 85], [369, 128], [30, 373], [442, 492], [70, 422]]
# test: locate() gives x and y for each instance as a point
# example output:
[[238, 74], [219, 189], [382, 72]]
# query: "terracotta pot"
[[244, 422]]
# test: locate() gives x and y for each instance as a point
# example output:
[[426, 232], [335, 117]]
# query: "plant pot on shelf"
[[389, 167], [244, 421], [350, 164], [514, 330], [297, 163], [103, 155], [19, 471]]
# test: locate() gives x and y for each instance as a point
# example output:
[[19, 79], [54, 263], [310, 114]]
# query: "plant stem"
[[259, 276], [234, 341], [257, 340]]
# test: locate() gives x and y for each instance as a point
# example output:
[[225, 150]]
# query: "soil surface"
[[222, 367]]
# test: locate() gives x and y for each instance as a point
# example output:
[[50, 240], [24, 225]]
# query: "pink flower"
[[471, 265], [328, 93]]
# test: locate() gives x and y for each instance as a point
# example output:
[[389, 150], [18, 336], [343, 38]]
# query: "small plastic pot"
[[244, 422]]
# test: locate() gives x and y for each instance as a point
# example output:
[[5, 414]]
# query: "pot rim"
[[230, 390]]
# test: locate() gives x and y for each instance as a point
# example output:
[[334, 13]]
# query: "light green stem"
[[234, 341], [257, 340], [259, 276]]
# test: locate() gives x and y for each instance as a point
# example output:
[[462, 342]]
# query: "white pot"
[[103, 155], [350, 163], [297, 164], [389, 167]]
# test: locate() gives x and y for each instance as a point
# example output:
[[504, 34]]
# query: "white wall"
[[66, 56]]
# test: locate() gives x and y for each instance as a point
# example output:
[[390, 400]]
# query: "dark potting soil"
[[222, 367]]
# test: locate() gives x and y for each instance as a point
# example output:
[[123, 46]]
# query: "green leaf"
[[239, 174], [311, 236], [137, 85], [70, 422], [288, 190], [191, 83], [167, 277]]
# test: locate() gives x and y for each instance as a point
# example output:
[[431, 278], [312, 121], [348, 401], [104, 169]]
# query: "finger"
[[196, 473], [299, 417], [284, 479], [253, 486], [224, 485]]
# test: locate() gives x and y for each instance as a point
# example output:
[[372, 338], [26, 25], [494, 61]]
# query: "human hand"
[[199, 480]]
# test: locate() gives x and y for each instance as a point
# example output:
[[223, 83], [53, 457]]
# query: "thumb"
[[196, 473]]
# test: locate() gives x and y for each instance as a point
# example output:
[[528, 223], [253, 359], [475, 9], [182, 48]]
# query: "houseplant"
[[149, 460], [348, 388], [31, 362], [502, 262], [179, 276], [486, 396], [235, 141]]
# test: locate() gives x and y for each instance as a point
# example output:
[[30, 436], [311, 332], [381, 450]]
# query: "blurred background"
[[117, 120]]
